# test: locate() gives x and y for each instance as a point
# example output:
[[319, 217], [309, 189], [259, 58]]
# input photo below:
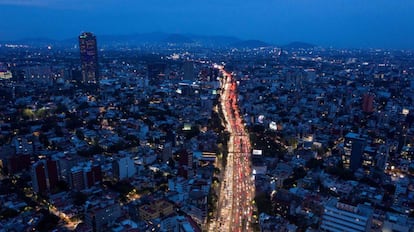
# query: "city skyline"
[[179, 137], [338, 23]]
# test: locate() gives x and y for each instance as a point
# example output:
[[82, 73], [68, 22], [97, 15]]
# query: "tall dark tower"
[[188, 69], [89, 57]]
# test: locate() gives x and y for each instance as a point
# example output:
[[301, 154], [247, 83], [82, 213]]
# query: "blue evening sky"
[[339, 23]]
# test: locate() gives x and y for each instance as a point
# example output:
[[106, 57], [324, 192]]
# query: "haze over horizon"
[[338, 23]]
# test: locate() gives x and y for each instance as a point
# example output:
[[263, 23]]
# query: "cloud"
[[55, 4], [72, 4], [24, 2]]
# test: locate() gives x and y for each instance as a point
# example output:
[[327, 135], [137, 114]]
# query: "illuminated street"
[[237, 193]]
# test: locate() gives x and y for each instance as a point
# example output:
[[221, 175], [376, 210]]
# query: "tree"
[[411, 170], [341, 172], [83, 106], [389, 189], [58, 131], [73, 122], [41, 113], [171, 163], [264, 204], [299, 173], [80, 134], [61, 108], [62, 186], [216, 170], [48, 222], [48, 125], [7, 213], [27, 114], [44, 140], [79, 198], [314, 163], [215, 179]]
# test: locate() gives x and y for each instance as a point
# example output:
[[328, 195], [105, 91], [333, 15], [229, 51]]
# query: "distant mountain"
[[155, 38], [34, 42], [298, 45], [250, 44], [132, 39], [39, 40], [214, 41], [178, 39], [165, 38]]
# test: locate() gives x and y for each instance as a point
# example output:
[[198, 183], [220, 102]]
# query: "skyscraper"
[[354, 146], [85, 175], [368, 103], [123, 168], [45, 176], [156, 73], [188, 69], [89, 57]]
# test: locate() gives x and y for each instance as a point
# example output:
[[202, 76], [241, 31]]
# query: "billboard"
[[257, 152]]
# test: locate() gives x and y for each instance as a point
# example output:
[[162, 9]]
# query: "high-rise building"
[[85, 175], [76, 179], [75, 75], [89, 57], [39, 177], [188, 69], [17, 163], [167, 152], [102, 214], [368, 103], [354, 147], [123, 168], [156, 73], [185, 161], [339, 216], [18, 156], [206, 104], [45, 176], [52, 173], [368, 158], [382, 157]]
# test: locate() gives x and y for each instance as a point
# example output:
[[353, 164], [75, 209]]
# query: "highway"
[[235, 205]]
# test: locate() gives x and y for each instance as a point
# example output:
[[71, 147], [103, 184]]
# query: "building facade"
[[89, 57], [45, 176], [368, 103], [124, 168], [339, 216], [101, 216], [354, 147], [84, 176], [188, 70]]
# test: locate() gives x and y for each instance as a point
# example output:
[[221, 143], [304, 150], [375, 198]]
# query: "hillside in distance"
[[153, 39], [159, 39], [298, 45]]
